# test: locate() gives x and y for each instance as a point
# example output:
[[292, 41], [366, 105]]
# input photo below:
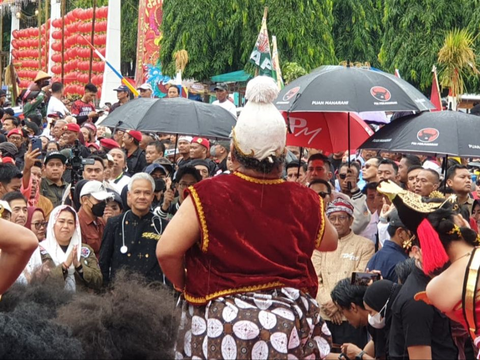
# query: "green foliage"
[[292, 71], [414, 33], [219, 36], [357, 30]]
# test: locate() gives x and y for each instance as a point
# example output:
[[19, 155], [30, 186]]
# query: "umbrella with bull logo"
[[448, 133], [350, 89]]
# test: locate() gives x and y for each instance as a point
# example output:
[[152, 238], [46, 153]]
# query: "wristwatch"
[[360, 356]]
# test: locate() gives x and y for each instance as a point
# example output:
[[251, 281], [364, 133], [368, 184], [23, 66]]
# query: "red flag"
[[435, 94], [397, 73]]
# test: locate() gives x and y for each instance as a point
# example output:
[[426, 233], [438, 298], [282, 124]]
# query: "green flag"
[[261, 56]]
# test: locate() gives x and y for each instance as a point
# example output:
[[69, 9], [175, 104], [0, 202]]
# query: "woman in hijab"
[[36, 222], [69, 259]]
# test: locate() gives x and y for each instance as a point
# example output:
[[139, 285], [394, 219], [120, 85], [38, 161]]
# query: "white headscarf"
[[51, 245]]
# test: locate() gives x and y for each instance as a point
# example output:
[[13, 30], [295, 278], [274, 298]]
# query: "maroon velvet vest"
[[255, 235]]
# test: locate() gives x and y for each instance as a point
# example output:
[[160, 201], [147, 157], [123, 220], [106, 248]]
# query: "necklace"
[[467, 254]]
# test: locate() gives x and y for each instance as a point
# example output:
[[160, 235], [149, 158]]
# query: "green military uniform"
[[88, 275]]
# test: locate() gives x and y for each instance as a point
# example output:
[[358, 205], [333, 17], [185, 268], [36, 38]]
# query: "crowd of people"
[[273, 252]]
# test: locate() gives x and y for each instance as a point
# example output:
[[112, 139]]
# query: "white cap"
[[146, 86], [6, 205], [185, 138], [96, 189], [261, 130]]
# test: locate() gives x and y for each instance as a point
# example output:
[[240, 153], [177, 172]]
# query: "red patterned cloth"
[[256, 235]]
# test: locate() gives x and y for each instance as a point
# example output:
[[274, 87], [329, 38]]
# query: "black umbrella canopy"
[[339, 88], [443, 133], [173, 116]]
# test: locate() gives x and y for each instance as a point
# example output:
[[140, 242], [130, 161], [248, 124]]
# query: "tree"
[[457, 59], [292, 71], [219, 36], [414, 32], [356, 30]]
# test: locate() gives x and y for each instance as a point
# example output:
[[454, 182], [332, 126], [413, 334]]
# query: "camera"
[[76, 164]]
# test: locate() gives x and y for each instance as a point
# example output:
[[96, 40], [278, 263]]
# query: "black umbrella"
[[444, 133], [339, 88], [173, 116]]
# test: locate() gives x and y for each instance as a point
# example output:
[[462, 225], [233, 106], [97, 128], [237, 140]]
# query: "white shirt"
[[55, 105], [227, 105], [119, 184]]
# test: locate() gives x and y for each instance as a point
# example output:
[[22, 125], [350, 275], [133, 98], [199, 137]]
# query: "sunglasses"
[[342, 176], [39, 225], [323, 194]]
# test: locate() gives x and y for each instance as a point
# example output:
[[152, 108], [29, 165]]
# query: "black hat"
[[55, 155], [221, 87]]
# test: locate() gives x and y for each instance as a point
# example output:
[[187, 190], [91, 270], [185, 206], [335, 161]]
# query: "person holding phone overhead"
[[352, 254]]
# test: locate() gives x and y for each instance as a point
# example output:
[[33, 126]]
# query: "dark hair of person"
[[158, 146], [344, 294], [370, 186], [294, 164], [434, 174], [354, 164], [324, 182], [265, 166], [91, 88], [187, 170], [14, 195], [8, 172], [404, 268], [57, 87], [38, 164], [36, 119], [452, 170], [390, 162], [97, 158], [319, 156], [15, 121], [442, 221], [53, 142], [392, 229], [9, 111], [414, 167], [412, 160], [2, 112]]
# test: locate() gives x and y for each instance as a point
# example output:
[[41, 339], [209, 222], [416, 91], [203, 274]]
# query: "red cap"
[[8, 160], [73, 127], [109, 144], [15, 132], [137, 135], [92, 144], [201, 141], [90, 126]]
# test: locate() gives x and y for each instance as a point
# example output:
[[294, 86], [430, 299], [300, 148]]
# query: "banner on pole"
[[148, 44], [277, 72], [261, 56]]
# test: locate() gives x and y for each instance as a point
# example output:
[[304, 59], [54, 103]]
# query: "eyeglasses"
[[184, 184], [40, 224], [323, 194], [16, 138], [340, 218], [342, 176]]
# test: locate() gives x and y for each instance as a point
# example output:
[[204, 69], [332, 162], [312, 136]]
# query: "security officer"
[[130, 239]]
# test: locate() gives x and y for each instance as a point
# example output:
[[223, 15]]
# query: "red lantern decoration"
[[57, 57], [57, 35], [57, 23], [57, 46], [56, 69]]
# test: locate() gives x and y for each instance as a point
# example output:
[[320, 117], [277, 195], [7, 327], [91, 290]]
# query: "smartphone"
[[37, 144], [364, 278]]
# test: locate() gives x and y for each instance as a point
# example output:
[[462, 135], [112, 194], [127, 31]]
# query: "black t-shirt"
[[378, 337], [414, 323]]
